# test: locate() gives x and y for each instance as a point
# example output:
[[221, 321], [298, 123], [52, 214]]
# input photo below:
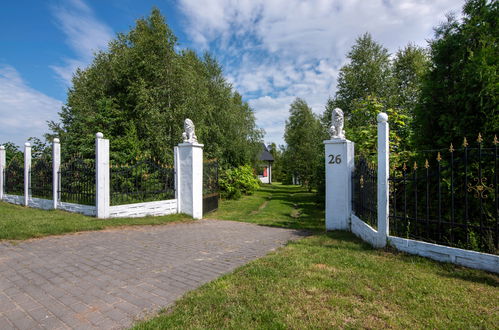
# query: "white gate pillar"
[[27, 171], [56, 165], [189, 173], [383, 173], [2, 169], [339, 168], [102, 181]]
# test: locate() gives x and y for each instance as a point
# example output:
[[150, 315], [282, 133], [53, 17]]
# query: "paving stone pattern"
[[109, 279]]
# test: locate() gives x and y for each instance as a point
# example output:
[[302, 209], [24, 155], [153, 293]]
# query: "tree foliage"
[[139, 92], [371, 83], [460, 92], [303, 135], [367, 74]]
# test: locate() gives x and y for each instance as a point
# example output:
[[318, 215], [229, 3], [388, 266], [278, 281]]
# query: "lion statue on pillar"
[[189, 136], [337, 120]]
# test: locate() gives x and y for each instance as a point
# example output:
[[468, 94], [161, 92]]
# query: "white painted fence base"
[[437, 252], [41, 203], [365, 232], [14, 199], [144, 209], [89, 210]]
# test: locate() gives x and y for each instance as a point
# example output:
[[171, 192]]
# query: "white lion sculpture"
[[336, 129], [189, 136]]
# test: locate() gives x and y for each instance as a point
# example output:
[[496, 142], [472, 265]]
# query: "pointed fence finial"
[[439, 157], [495, 140], [479, 139], [451, 148], [426, 164], [404, 168], [465, 142], [415, 166]]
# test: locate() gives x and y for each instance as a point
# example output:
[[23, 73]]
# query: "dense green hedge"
[[234, 182]]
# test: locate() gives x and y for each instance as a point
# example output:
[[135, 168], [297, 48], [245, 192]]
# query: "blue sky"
[[272, 51]]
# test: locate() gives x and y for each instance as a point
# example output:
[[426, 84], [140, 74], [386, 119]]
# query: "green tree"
[[303, 136], [368, 73], [11, 150], [409, 68], [460, 93], [371, 83], [139, 92]]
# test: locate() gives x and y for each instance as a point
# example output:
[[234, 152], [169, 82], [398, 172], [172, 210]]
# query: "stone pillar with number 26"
[[339, 169]]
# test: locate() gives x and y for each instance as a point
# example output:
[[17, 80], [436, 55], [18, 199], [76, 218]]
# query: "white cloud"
[[85, 35], [24, 111], [281, 49]]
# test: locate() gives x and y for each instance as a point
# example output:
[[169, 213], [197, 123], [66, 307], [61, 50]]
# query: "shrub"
[[234, 182]]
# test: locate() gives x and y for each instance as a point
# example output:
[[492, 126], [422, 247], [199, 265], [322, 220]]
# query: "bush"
[[234, 182]]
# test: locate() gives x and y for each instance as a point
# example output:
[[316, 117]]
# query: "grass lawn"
[[18, 222], [331, 280]]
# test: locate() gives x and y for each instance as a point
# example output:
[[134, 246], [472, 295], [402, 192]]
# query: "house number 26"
[[334, 159]]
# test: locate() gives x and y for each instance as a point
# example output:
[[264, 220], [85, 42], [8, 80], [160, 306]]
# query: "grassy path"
[[331, 280], [278, 206]]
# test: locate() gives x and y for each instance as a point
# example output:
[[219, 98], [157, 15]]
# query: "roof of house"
[[265, 154]]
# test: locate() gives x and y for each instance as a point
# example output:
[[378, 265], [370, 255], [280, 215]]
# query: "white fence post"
[[56, 165], [383, 173], [102, 196], [2, 170], [27, 171]]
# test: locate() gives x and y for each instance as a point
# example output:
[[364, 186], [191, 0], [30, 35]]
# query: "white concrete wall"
[[339, 168], [78, 208], [14, 199], [437, 252], [144, 209], [41, 203], [364, 231]]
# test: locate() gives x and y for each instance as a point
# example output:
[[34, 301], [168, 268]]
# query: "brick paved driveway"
[[108, 279]]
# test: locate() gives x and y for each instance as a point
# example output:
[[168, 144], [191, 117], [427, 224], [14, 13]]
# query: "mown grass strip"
[[18, 222]]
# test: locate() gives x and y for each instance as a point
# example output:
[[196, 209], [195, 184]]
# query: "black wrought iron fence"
[[77, 181], [14, 176], [211, 191], [40, 184], [145, 180], [448, 196], [365, 191]]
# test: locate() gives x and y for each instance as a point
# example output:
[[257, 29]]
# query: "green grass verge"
[[335, 281], [330, 280], [276, 205], [18, 222]]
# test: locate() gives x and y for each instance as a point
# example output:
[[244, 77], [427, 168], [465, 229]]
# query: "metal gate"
[[211, 192]]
